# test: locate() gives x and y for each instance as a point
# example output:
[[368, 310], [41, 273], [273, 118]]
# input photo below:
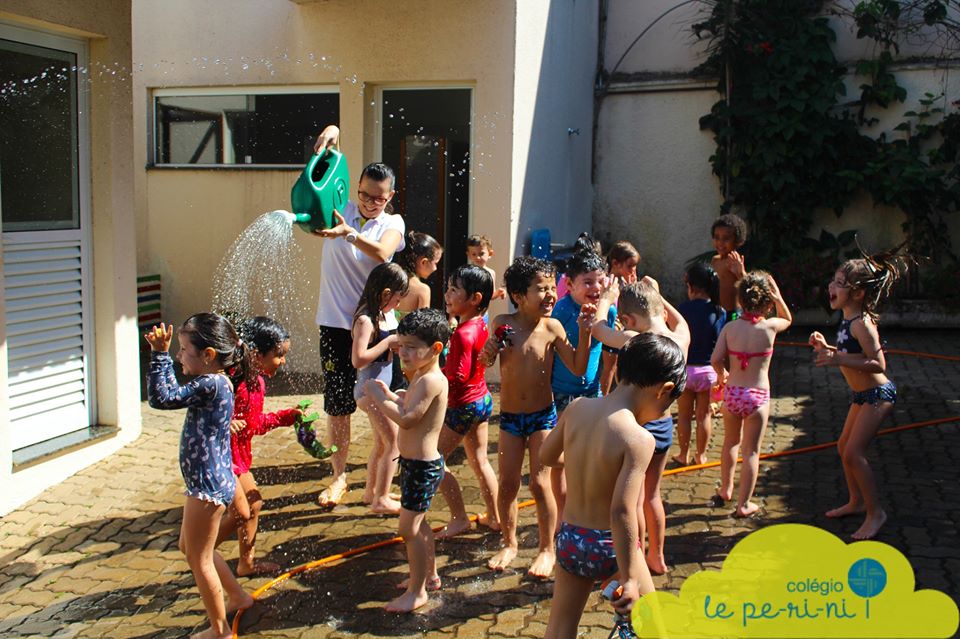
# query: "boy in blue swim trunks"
[[606, 455], [419, 413], [526, 402], [643, 310]]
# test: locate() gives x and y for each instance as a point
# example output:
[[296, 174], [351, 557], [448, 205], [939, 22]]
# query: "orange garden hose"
[[325, 561]]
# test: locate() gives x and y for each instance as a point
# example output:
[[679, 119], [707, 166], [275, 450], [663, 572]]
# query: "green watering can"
[[320, 190]]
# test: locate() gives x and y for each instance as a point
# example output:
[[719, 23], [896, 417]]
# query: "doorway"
[[425, 137]]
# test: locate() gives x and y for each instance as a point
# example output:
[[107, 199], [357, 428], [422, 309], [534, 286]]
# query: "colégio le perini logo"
[[793, 580]]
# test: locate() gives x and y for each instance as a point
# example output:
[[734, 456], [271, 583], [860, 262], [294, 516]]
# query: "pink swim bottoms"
[[701, 378], [743, 401]]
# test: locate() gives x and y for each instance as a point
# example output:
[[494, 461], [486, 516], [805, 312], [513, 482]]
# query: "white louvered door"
[[46, 363], [44, 210]]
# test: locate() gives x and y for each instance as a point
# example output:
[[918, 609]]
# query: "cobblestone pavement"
[[97, 556]]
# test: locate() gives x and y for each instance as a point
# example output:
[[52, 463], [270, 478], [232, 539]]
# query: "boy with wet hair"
[[729, 232], [479, 253], [419, 413], [607, 454], [643, 310], [531, 339]]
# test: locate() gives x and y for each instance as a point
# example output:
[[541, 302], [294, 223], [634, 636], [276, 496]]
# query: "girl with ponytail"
[[857, 289]]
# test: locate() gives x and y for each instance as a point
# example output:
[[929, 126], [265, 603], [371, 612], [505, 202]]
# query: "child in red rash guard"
[[469, 404], [269, 343]]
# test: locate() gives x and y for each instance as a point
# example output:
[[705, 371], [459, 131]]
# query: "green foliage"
[[787, 147]]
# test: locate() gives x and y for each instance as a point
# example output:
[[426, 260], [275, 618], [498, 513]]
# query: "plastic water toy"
[[622, 628], [320, 190], [307, 433], [504, 334]]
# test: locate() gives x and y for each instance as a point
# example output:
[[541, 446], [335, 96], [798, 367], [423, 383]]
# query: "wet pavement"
[[96, 556]]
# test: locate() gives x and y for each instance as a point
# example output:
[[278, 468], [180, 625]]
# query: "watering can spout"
[[320, 190]]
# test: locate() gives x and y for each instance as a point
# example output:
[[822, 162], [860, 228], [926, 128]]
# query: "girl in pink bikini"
[[742, 361]]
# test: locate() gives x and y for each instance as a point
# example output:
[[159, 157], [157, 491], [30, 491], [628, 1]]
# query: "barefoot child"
[[705, 318], [268, 343], [744, 348], [856, 289], [373, 359], [419, 259], [527, 410], [729, 232], [606, 455], [469, 404], [643, 310], [208, 344], [479, 253], [422, 336]]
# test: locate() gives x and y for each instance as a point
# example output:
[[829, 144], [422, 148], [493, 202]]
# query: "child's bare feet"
[[257, 568], [454, 528], [235, 603], [657, 565], [333, 494], [722, 497], [747, 510], [871, 526], [700, 459], [483, 519], [500, 561], [367, 496], [850, 508], [385, 506], [542, 566], [432, 583], [210, 633], [407, 602]]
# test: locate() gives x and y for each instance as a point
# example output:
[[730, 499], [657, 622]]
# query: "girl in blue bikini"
[[208, 345], [856, 289]]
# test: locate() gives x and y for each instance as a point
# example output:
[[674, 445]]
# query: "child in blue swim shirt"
[[208, 345]]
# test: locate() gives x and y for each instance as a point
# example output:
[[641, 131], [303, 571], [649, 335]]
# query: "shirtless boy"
[[526, 402], [419, 413], [643, 310], [607, 454]]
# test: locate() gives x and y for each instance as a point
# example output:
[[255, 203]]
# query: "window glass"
[[252, 128]]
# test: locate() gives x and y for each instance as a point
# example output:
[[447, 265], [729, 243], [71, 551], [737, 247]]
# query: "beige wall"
[[188, 218], [654, 184], [105, 24]]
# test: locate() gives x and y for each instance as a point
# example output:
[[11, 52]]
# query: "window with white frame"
[[246, 126]]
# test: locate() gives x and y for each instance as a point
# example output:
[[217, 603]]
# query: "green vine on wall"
[[787, 145]]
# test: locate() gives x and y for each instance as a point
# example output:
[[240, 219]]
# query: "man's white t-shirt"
[[344, 268]]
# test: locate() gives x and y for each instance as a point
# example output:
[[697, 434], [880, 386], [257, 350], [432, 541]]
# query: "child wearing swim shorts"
[[729, 232], [705, 317], [469, 404], [643, 310], [208, 345], [526, 403], [606, 454], [742, 361], [856, 289], [268, 343], [422, 336]]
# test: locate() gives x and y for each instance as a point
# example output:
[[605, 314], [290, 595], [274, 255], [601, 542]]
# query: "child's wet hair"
[[701, 277], [209, 330], [648, 359], [733, 222], [755, 292], [477, 240], [429, 325], [263, 335], [474, 279], [388, 275], [621, 252], [523, 271], [640, 298], [586, 242], [582, 262], [875, 275], [378, 172], [417, 246]]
